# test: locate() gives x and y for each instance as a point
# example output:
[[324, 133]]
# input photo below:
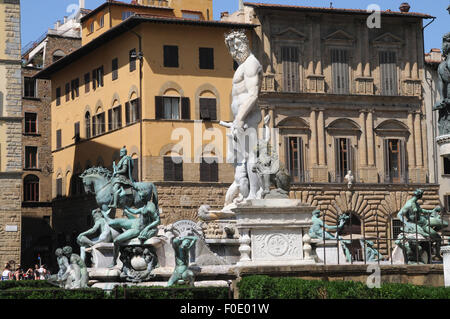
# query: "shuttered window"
[[173, 168], [169, 108], [75, 92], [291, 73], [344, 158], [395, 161], [115, 69], [115, 118], [87, 124], [87, 82], [294, 158], [67, 92], [132, 60], [340, 71], [58, 139], [58, 96], [59, 188], [388, 67], [208, 109], [76, 132], [171, 56], [209, 170], [206, 56]]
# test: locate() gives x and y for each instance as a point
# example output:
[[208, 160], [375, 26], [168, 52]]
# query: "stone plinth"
[[445, 250], [102, 255], [329, 252], [271, 232]]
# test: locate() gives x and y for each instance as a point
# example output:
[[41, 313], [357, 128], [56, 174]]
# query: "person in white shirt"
[[6, 275]]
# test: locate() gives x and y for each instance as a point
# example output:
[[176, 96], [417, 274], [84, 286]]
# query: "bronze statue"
[[182, 245], [122, 176], [443, 106]]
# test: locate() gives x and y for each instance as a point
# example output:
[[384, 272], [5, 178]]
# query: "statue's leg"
[[174, 278], [188, 276], [127, 235]]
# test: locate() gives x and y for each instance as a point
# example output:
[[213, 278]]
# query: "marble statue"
[[420, 223], [269, 170], [78, 274], [105, 233], [443, 106], [349, 178], [144, 227], [181, 246], [247, 116], [99, 181], [60, 279]]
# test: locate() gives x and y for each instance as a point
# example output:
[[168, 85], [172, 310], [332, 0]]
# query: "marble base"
[[329, 252]]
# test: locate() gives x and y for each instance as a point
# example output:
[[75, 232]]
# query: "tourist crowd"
[[38, 273]]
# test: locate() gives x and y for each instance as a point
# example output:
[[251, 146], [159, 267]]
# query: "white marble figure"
[[349, 178], [247, 115]]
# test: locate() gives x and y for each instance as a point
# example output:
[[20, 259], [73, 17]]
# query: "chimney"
[[404, 7], [81, 4]]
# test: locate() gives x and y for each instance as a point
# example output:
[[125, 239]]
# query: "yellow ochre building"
[[145, 69]]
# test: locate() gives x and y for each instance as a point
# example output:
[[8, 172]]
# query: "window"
[[171, 56], [173, 168], [209, 170], [91, 27], [135, 172], [294, 158], [206, 56], [397, 226], [98, 124], [102, 21], [59, 188], [75, 92], [30, 123], [132, 111], [31, 188], [29, 87], [30, 157], [97, 78], [446, 165], [115, 118], [208, 109], [388, 67], [58, 139], [339, 70], [344, 158], [133, 57], [76, 185], [192, 15], [115, 69], [446, 203], [127, 14], [87, 124], [168, 108], [67, 92], [76, 129], [87, 82], [394, 160], [291, 73], [58, 96], [58, 55]]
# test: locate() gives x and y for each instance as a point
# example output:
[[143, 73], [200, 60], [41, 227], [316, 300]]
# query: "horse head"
[[94, 178]]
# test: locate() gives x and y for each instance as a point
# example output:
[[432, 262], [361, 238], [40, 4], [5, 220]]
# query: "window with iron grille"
[[388, 68], [294, 158], [291, 72], [340, 71], [396, 228], [208, 109], [209, 170], [206, 56], [171, 56], [31, 156], [173, 168], [31, 188], [115, 69], [29, 87], [30, 123]]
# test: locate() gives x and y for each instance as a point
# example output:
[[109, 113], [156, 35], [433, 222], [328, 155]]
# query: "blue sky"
[[38, 15]]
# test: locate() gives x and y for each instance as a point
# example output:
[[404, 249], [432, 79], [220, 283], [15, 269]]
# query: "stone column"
[[311, 48], [359, 49], [446, 254], [318, 49], [313, 142], [413, 50], [367, 71], [244, 248], [370, 141], [321, 138], [408, 50], [418, 139], [410, 144], [363, 141]]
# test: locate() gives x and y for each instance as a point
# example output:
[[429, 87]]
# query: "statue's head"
[[237, 43], [316, 213], [123, 151], [418, 193], [58, 252], [446, 44], [67, 250], [97, 213]]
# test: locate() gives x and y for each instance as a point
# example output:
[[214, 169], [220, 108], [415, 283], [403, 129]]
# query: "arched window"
[[31, 188], [58, 54], [87, 123]]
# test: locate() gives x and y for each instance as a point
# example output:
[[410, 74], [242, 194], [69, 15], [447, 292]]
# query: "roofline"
[[107, 3], [126, 26], [337, 10]]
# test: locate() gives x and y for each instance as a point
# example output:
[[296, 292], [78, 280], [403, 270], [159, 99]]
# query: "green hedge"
[[265, 287], [43, 290]]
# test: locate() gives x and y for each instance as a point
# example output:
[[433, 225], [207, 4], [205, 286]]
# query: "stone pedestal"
[[445, 250], [102, 255], [329, 252], [271, 232]]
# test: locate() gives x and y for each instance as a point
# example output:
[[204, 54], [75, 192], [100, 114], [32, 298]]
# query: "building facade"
[[147, 82], [10, 132], [37, 231], [346, 97]]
